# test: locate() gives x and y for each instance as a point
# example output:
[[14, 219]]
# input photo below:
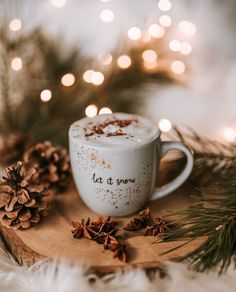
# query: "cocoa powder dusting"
[[99, 129]]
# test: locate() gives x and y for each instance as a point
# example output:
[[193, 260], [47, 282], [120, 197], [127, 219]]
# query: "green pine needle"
[[213, 216], [213, 160]]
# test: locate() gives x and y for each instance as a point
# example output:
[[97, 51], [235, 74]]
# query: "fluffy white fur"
[[60, 277]]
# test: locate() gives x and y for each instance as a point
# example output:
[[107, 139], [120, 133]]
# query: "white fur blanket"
[[63, 277]]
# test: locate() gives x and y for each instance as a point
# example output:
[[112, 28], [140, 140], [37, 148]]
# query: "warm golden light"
[[45, 95], [88, 75], [146, 37], [149, 56], [165, 20], [164, 5], [178, 67], [15, 24], [105, 58], [58, 3], [68, 79], [16, 64], [187, 28], [186, 48], [91, 110], [174, 45], [150, 66], [165, 125], [105, 111], [124, 62], [97, 78], [107, 15], [134, 33], [156, 31], [229, 134]]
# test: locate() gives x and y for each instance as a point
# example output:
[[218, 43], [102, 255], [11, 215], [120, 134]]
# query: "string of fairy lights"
[[149, 57]]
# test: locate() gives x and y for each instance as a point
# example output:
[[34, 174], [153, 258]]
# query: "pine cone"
[[51, 163], [12, 149], [22, 202]]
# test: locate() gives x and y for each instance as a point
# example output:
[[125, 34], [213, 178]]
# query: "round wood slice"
[[52, 238]]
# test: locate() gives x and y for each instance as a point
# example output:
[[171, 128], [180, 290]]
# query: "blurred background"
[[172, 61]]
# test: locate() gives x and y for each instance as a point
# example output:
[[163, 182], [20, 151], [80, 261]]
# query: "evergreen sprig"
[[45, 60], [213, 159], [213, 216]]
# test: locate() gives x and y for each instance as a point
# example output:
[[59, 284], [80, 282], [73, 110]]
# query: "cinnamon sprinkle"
[[115, 134], [98, 129]]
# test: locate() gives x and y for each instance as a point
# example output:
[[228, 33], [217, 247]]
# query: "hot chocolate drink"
[[111, 130], [115, 162]]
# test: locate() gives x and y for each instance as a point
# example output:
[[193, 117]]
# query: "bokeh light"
[[150, 66], [68, 79], [149, 56], [15, 24], [146, 37], [178, 67], [87, 76], [91, 110], [97, 78], [45, 95], [107, 15], [187, 28], [105, 58], [165, 125], [16, 64], [58, 3], [165, 20], [105, 111], [186, 48], [174, 45], [229, 134], [164, 5], [156, 31], [124, 61], [134, 33]]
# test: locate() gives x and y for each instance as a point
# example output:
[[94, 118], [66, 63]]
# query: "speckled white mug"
[[119, 181]]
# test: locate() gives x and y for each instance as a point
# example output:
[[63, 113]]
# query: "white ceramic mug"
[[119, 181]]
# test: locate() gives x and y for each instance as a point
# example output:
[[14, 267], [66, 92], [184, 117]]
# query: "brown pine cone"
[[12, 149], [22, 201], [51, 163]]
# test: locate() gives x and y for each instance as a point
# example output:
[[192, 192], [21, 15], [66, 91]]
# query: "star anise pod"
[[103, 231], [159, 226], [139, 221], [105, 225], [111, 242], [106, 239], [119, 251], [83, 229]]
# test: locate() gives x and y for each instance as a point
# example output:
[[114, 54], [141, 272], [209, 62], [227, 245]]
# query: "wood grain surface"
[[52, 238]]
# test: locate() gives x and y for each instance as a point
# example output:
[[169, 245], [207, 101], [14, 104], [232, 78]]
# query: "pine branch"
[[213, 212], [45, 61], [213, 215], [7, 120], [213, 159]]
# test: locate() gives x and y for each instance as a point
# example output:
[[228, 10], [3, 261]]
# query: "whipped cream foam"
[[117, 129]]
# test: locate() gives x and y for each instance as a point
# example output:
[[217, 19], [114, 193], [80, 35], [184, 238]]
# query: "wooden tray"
[[53, 239]]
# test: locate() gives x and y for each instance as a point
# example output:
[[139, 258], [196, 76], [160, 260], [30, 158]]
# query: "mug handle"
[[181, 178]]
